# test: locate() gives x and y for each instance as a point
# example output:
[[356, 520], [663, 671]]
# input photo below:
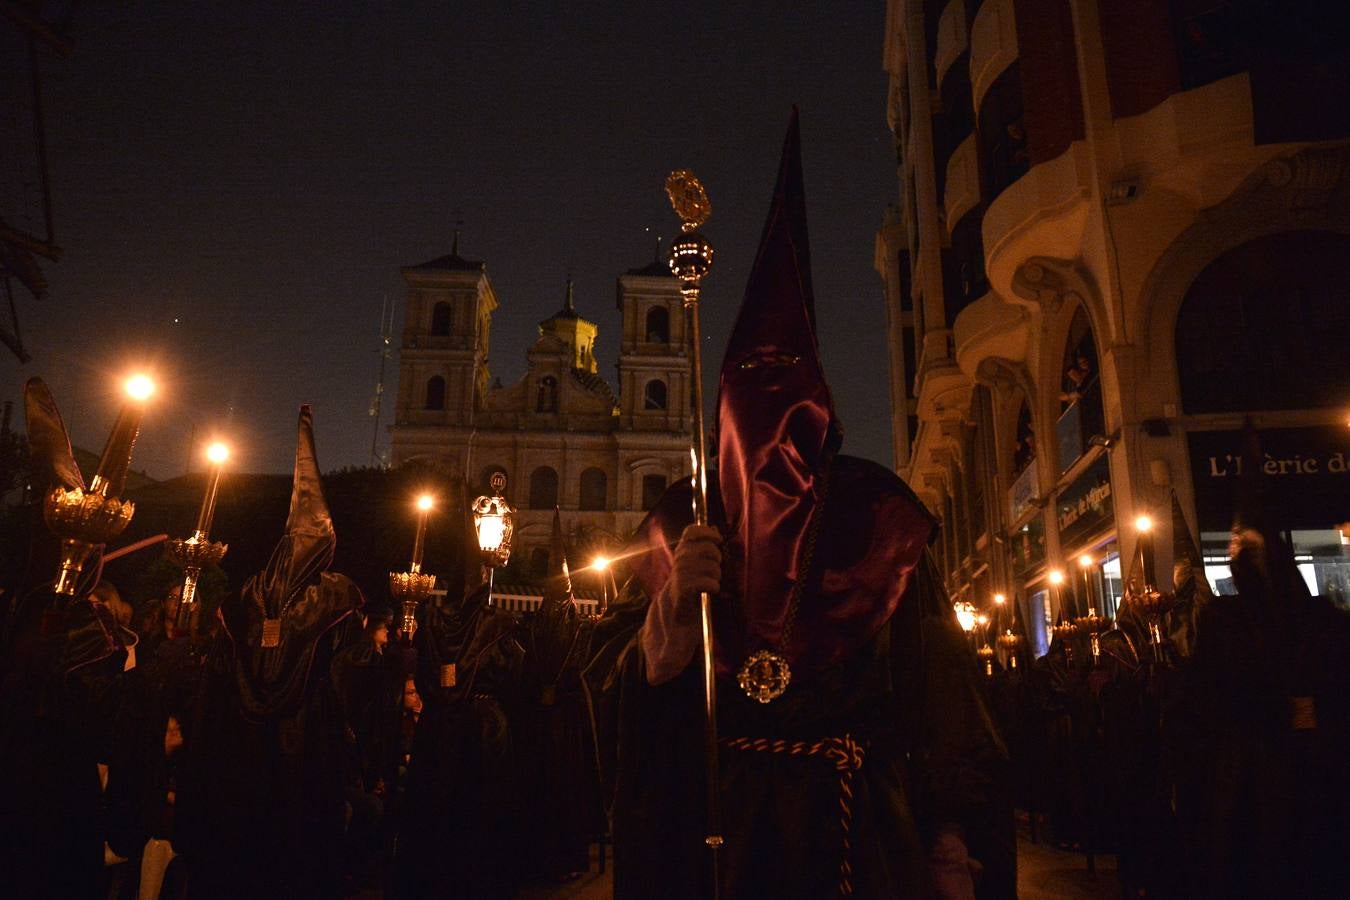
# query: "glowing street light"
[[965, 615], [494, 526]]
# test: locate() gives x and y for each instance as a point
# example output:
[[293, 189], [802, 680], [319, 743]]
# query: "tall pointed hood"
[[282, 612], [776, 428], [306, 549], [778, 470], [558, 586], [47, 437], [309, 528]]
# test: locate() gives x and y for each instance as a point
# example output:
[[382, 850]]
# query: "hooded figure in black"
[[874, 772], [60, 690], [559, 786], [1268, 805], [260, 802], [460, 823]]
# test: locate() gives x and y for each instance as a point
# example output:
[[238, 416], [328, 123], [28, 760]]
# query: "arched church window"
[[594, 487], [654, 394], [1265, 326], [653, 486], [546, 399], [435, 392], [440, 320], [658, 325], [539, 562], [543, 488]]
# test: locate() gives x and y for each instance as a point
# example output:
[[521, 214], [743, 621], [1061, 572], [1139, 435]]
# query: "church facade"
[[561, 433]]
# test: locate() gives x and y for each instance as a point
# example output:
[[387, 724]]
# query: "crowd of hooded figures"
[[300, 741], [1200, 739], [162, 753]]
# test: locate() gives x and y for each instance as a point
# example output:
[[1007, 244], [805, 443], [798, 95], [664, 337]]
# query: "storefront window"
[[1036, 614], [1112, 585], [1322, 557], [1028, 546]]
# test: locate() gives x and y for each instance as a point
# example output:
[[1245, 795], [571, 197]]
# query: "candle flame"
[[140, 387], [217, 453], [425, 502], [1143, 523]]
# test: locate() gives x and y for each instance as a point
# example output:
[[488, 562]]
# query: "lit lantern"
[[965, 615], [494, 527]]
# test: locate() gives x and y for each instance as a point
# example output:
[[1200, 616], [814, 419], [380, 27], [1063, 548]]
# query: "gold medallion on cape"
[[764, 676]]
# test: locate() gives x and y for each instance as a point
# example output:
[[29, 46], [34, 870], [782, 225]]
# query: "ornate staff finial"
[[690, 260]]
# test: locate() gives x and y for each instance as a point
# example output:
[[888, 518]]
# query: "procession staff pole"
[[691, 258]]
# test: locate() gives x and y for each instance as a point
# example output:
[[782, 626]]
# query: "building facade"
[[561, 434], [1123, 227]]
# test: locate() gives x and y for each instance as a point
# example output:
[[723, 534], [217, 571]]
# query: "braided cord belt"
[[847, 756]]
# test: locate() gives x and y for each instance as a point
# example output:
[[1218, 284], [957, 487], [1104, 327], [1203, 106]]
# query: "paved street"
[[1043, 873]]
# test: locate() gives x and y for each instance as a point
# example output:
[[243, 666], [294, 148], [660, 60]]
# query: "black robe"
[[62, 674], [559, 785], [1268, 805], [460, 816], [909, 700], [260, 801]]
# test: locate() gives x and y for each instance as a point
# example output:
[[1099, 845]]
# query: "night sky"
[[236, 191]]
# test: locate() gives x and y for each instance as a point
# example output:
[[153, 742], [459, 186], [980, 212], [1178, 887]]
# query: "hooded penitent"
[[777, 469], [553, 632], [282, 611]]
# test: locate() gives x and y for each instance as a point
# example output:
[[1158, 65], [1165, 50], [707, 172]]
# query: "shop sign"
[[1022, 494], [1306, 476], [1085, 507]]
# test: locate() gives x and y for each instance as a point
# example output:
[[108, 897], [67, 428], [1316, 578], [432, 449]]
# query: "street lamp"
[[493, 525], [965, 615]]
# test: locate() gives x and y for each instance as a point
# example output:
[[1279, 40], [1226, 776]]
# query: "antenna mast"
[[385, 351]]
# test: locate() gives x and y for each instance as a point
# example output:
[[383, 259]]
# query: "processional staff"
[[691, 258]]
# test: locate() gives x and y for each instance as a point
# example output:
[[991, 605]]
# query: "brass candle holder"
[[986, 655], [410, 589], [1093, 625], [82, 520], [1012, 645]]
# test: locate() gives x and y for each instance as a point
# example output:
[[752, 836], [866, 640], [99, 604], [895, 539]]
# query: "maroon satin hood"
[[777, 441]]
